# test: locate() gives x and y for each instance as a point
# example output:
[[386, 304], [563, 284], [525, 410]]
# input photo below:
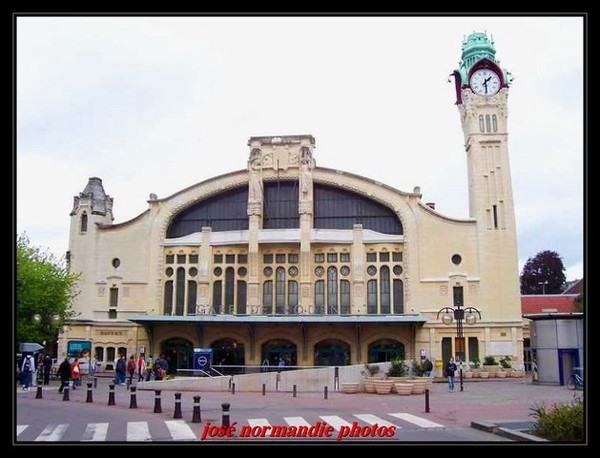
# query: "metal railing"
[[235, 369]]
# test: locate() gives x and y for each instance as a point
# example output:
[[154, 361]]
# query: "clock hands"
[[485, 83]]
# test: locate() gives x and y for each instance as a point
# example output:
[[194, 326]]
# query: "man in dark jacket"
[[120, 370], [450, 369], [64, 372], [47, 368]]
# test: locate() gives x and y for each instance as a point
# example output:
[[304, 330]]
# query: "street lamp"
[[468, 314], [543, 283]]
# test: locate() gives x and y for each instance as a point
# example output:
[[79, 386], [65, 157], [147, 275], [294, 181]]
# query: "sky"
[[157, 104]]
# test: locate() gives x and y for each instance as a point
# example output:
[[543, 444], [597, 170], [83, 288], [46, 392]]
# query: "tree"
[[543, 274], [44, 287], [578, 304]]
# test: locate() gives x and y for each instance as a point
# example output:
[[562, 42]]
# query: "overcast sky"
[[156, 104]]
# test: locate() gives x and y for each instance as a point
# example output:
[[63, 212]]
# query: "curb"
[[508, 433]]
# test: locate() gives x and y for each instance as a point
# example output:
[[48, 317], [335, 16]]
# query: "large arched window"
[[292, 296], [319, 296], [279, 349], [398, 296], [228, 352], [268, 297], [229, 293], [332, 352], [345, 297], [241, 297], [192, 293], [332, 291], [180, 291], [372, 297], [383, 350], [217, 296]]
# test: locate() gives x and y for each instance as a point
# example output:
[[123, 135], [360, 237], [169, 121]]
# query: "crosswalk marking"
[[180, 431], [422, 422], [52, 432], [95, 432], [296, 421], [138, 431], [372, 419], [258, 422], [21, 428], [335, 421]]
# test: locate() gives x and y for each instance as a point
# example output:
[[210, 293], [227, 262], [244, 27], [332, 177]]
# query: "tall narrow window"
[[168, 301], [191, 291], [488, 126], [372, 297], [398, 296], [292, 297], [495, 213], [384, 280], [217, 296], [280, 291], [241, 297], [229, 282], [495, 123], [332, 290], [319, 296], [84, 221], [345, 297], [113, 300], [458, 296], [481, 128], [268, 297], [180, 291]]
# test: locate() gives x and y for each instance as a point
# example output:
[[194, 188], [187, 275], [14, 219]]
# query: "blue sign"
[[202, 358]]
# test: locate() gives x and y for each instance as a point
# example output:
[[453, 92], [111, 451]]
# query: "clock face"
[[485, 82]]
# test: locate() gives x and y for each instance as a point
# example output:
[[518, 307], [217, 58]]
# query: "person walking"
[[141, 368], [449, 370], [427, 368], [75, 373], [149, 362], [120, 370], [131, 365], [47, 369], [93, 366], [64, 373], [27, 369]]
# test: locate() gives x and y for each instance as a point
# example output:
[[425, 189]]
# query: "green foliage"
[[543, 274], [489, 361], [419, 370], [475, 362], [397, 368], [506, 362], [578, 305], [44, 286], [372, 369], [562, 423]]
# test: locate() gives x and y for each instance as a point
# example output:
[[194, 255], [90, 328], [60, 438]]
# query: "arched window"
[[292, 296], [191, 303], [168, 301], [495, 123], [345, 297], [276, 349], [280, 291], [372, 297], [384, 280], [319, 296], [217, 296], [99, 353], [332, 352], [180, 291], [84, 222], [229, 282], [398, 296], [384, 350], [481, 127], [241, 297], [332, 298], [268, 297], [488, 126]]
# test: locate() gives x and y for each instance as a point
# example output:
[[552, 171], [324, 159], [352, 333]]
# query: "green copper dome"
[[476, 47]]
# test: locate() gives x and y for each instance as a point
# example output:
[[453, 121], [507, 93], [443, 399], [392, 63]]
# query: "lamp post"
[[460, 314], [543, 283], [48, 321]]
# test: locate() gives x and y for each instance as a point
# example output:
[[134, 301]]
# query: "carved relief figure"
[[306, 184], [255, 184]]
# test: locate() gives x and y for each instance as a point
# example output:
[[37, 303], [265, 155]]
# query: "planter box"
[[383, 386], [491, 370], [468, 374], [349, 388], [419, 384], [403, 388], [484, 374]]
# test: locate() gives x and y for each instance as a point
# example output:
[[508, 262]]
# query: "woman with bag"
[[75, 373]]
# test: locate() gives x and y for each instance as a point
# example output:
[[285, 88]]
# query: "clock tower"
[[482, 88]]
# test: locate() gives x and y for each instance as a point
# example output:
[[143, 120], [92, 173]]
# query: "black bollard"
[[225, 421], [133, 400], [294, 391], [111, 394], [264, 389], [196, 417], [233, 388], [427, 400], [177, 413], [66, 394], [38, 392], [127, 384], [89, 397], [325, 392], [336, 378], [157, 406], [95, 382]]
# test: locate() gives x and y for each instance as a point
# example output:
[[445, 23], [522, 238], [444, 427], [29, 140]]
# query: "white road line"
[[372, 419], [422, 422], [180, 431], [21, 428], [138, 431], [95, 432], [258, 422], [52, 433], [335, 421], [296, 421]]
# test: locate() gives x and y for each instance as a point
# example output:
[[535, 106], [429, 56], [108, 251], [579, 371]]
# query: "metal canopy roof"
[[280, 319]]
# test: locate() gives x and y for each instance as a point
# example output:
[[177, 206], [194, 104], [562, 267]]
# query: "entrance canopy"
[[280, 319]]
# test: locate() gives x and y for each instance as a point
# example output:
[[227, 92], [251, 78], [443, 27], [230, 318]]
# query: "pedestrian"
[[281, 364], [427, 368], [149, 368], [27, 369], [141, 368], [75, 373], [449, 370], [265, 365], [161, 368], [93, 366], [64, 373], [120, 370], [131, 365], [47, 369]]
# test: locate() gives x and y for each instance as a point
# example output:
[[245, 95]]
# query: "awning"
[[280, 319]]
